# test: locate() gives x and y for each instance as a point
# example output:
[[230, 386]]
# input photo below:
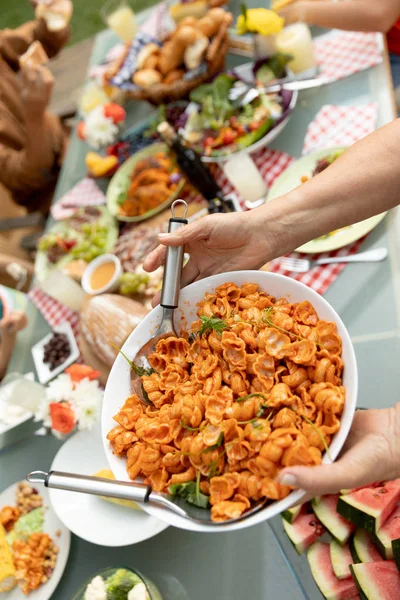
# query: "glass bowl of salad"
[[118, 583]]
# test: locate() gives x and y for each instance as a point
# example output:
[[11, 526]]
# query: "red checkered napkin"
[[270, 163], [343, 53], [340, 126], [85, 193], [53, 311], [318, 278]]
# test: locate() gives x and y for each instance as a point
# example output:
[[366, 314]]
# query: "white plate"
[[90, 517], [118, 384], [42, 369], [51, 524], [291, 178]]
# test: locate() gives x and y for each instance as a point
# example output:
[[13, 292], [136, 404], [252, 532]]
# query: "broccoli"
[[120, 583]]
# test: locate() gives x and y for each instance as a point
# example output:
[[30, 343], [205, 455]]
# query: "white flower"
[[43, 413], [86, 402], [60, 388], [99, 129]]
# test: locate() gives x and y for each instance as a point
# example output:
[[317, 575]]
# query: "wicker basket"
[[162, 93]]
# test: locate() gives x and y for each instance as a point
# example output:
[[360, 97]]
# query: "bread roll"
[[35, 55], [174, 76], [107, 319], [57, 14], [195, 53], [146, 78], [145, 53]]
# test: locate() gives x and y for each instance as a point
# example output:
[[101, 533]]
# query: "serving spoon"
[[138, 492], [169, 301]]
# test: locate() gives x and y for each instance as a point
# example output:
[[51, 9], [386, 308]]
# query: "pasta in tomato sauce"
[[254, 387]]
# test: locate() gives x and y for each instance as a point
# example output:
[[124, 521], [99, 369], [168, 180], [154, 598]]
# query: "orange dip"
[[102, 275]]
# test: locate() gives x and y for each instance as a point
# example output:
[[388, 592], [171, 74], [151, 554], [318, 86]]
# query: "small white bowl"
[[112, 285]]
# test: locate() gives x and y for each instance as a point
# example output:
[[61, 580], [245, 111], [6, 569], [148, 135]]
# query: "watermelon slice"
[[388, 532], [370, 507], [291, 514], [371, 485], [396, 552], [341, 558], [325, 509], [332, 588], [305, 530], [377, 580], [363, 548]]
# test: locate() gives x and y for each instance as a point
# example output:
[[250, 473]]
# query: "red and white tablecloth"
[[53, 311], [343, 53], [85, 193], [340, 126]]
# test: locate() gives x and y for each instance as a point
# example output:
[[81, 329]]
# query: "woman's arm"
[[363, 182], [351, 15]]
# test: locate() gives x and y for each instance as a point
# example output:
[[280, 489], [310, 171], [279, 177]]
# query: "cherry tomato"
[[228, 138]]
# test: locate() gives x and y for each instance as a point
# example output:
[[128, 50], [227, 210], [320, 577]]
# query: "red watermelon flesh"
[[388, 532], [332, 588], [305, 530], [377, 580], [370, 507], [325, 509]]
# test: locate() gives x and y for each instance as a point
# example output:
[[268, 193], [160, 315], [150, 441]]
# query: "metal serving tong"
[[169, 301], [246, 93], [131, 491]]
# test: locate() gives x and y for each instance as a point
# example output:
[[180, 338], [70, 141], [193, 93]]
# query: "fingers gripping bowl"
[[119, 383]]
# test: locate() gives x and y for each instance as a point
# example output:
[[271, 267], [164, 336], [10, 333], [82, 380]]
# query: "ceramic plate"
[[90, 517], [42, 369], [291, 178], [52, 524], [118, 384], [121, 179]]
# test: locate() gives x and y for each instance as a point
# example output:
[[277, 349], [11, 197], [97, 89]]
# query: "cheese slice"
[[107, 474]]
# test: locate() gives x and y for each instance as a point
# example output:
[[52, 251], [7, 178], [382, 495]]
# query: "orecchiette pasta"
[[255, 387]]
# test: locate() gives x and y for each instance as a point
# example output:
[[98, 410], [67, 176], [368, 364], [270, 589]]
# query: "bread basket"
[[164, 92]]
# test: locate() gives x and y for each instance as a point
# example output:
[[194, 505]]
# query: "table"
[[247, 563]]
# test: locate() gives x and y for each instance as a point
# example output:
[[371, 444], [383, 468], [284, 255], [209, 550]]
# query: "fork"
[[302, 265]]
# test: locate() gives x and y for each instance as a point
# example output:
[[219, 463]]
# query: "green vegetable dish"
[[88, 233], [119, 584]]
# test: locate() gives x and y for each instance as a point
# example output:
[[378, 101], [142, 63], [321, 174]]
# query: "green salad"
[[119, 584]]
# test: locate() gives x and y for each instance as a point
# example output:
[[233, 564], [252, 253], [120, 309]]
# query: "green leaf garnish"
[[211, 324], [256, 394], [198, 499], [191, 492], [189, 428], [139, 371]]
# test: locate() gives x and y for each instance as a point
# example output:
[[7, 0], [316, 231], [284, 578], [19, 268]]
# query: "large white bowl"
[[118, 385]]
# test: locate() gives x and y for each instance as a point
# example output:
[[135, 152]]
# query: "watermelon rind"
[[368, 517], [341, 558], [301, 539], [384, 537], [325, 509], [396, 552], [363, 548], [330, 586], [291, 514], [365, 578]]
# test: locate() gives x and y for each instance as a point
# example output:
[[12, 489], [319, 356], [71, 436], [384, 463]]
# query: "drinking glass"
[[244, 175], [118, 16]]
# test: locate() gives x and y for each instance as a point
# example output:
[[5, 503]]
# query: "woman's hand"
[[371, 453], [37, 84], [292, 13], [216, 243], [14, 322]]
